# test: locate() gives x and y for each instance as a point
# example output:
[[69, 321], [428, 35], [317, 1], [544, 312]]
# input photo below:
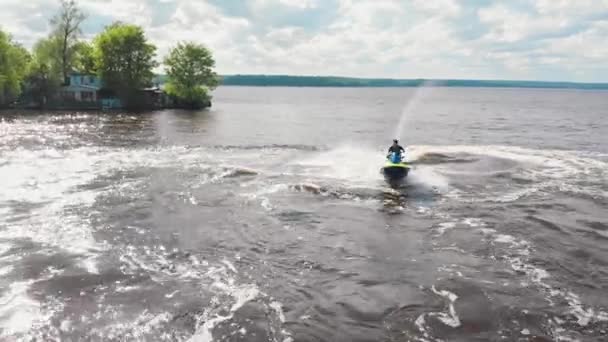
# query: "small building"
[[108, 103], [80, 87], [155, 97]]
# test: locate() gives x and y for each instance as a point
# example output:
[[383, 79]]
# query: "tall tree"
[[125, 61], [47, 51], [66, 29], [43, 84], [14, 60], [189, 68], [84, 58], [45, 72]]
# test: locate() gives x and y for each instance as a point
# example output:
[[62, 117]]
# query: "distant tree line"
[[120, 55], [329, 81]]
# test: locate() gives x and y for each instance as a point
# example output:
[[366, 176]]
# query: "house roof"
[[81, 74]]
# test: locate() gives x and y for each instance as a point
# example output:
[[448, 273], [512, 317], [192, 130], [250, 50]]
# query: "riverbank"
[[98, 107]]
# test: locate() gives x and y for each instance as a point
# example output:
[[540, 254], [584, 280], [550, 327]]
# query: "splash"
[[348, 163], [420, 94]]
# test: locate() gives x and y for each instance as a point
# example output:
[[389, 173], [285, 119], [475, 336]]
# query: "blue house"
[[80, 87], [86, 90]]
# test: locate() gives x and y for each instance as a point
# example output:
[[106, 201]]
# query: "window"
[[86, 96], [69, 96], [82, 80], [91, 80]]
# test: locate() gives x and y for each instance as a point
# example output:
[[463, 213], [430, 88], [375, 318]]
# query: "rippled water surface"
[[266, 219]]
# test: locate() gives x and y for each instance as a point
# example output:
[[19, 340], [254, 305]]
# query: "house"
[[155, 97], [87, 91], [80, 87]]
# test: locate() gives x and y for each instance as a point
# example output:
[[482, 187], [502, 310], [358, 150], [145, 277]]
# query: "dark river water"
[[266, 219]]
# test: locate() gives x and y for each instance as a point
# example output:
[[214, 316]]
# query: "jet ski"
[[395, 169]]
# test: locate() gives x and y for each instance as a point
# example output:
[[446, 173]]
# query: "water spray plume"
[[421, 92]]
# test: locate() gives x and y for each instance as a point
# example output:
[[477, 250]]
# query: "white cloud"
[[571, 7], [204, 23], [447, 8], [508, 25], [376, 38], [302, 4], [587, 45], [132, 11], [26, 20]]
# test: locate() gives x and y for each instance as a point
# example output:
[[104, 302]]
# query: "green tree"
[[189, 68], [45, 72], [125, 61], [14, 61], [84, 60], [66, 31], [42, 83], [46, 51]]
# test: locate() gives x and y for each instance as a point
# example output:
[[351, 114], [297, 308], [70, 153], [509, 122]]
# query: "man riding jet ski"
[[395, 169]]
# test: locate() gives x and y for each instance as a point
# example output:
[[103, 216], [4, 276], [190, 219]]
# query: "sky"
[[550, 40]]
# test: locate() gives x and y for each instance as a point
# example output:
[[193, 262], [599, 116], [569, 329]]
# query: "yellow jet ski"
[[395, 169]]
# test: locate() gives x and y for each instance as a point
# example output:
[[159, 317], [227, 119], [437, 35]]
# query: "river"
[[265, 218]]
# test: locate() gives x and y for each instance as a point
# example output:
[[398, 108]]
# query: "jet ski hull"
[[395, 172]]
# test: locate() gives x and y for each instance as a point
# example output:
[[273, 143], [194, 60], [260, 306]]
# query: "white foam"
[[473, 222], [487, 231], [230, 265], [172, 294], [502, 238], [4, 247], [18, 312], [451, 318], [278, 307], [446, 294], [421, 325], [549, 168], [240, 294], [4, 270], [350, 163], [144, 325], [515, 195], [66, 325], [583, 315], [451, 248], [443, 227], [90, 264], [49, 179], [559, 160], [21, 317], [123, 289], [518, 260], [426, 177]]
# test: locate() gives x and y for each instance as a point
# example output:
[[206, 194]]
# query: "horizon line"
[[420, 79]]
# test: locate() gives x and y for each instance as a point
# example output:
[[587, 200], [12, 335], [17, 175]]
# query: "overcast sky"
[[474, 39]]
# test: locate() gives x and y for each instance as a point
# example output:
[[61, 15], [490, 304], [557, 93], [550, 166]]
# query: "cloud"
[[578, 8], [509, 25], [588, 45], [448, 8], [302, 4], [531, 39], [26, 21]]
